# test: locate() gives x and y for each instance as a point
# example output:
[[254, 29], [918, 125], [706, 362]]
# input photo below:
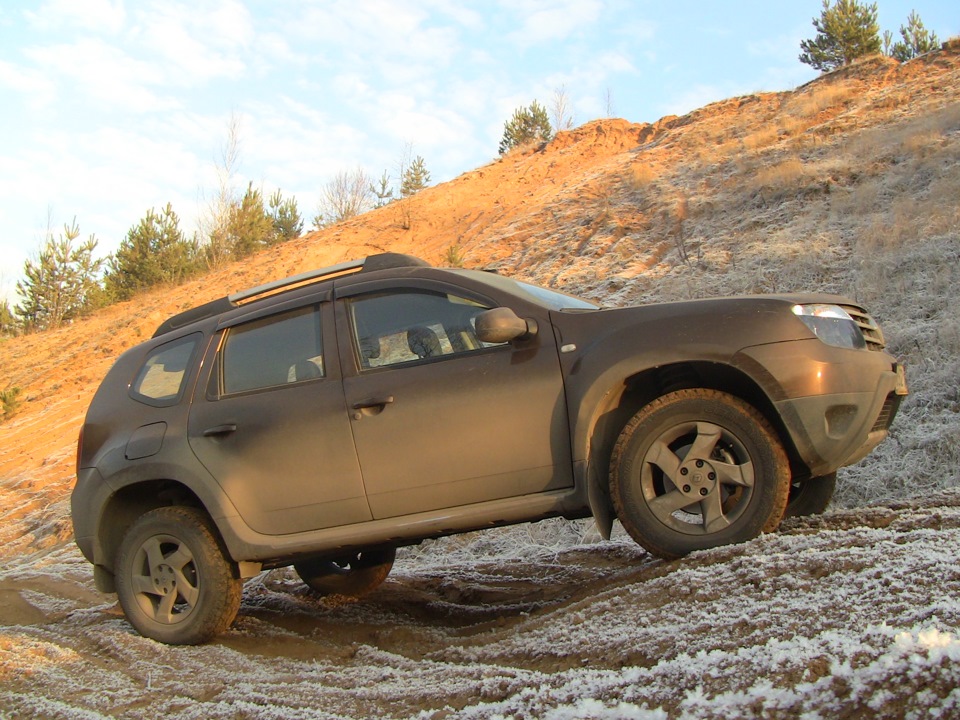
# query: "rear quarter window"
[[161, 378]]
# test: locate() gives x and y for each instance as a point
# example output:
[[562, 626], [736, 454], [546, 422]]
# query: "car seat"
[[423, 342]]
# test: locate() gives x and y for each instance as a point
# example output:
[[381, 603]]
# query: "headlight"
[[832, 324]]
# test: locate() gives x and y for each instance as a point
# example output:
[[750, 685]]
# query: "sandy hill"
[[849, 183]]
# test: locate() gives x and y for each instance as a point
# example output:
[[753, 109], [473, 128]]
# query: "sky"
[[109, 108]]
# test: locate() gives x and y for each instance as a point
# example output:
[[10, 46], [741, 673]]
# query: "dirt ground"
[[853, 614]]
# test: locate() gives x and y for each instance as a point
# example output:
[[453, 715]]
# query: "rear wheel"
[[696, 469], [811, 497], [173, 581], [351, 575]]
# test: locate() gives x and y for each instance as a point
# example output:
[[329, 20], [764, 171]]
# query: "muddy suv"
[[324, 420]]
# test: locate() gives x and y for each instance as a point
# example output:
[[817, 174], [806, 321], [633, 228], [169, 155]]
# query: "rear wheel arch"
[[131, 502]]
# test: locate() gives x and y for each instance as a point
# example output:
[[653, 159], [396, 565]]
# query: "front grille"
[[868, 327], [887, 412]]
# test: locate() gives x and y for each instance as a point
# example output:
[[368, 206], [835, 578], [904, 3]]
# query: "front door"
[[441, 419], [271, 425]]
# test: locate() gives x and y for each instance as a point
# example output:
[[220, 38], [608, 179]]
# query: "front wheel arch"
[[620, 403]]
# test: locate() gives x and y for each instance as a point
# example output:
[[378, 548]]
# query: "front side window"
[[406, 326], [162, 376], [276, 350]]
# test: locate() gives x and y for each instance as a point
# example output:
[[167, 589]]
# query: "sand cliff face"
[[775, 191]]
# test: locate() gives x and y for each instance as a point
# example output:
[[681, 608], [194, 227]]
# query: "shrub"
[[9, 401]]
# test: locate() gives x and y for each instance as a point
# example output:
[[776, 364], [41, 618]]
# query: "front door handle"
[[376, 402], [216, 430], [372, 406]]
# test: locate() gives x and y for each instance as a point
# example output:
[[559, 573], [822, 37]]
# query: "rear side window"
[[163, 375], [276, 350]]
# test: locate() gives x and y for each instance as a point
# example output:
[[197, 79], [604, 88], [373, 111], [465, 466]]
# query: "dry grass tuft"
[[639, 176], [820, 97], [764, 137]]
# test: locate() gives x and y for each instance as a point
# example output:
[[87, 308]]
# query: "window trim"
[[216, 386]]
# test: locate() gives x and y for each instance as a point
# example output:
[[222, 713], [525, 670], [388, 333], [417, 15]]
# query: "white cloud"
[[462, 16], [196, 44], [35, 86], [102, 16], [638, 30], [386, 33], [551, 20], [107, 179], [102, 72]]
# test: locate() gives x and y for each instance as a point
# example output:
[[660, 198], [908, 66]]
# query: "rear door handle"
[[225, 429]]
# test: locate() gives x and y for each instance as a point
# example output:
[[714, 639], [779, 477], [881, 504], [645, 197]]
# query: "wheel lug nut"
[[712, 476], [684, 471], [699, 463], [686, 488], [703, 492]]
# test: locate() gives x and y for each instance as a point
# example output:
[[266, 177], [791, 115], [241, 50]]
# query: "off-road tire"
[[174, 581], [731, 476], [353, 575], [811, 497]]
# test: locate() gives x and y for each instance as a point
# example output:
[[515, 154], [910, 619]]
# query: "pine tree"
[[528, 125], [917, 40], [382, 191], [415, 178], [249, 227], [62, 283], [154, 252], [287, 223], [846, 31], [8, 323]]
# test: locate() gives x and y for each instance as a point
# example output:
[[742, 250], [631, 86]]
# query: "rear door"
[[439, 418], [270, 423]]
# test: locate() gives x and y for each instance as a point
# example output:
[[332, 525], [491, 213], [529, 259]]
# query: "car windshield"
[[551, 299]]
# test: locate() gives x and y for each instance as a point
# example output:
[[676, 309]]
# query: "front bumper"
[[835, 404]]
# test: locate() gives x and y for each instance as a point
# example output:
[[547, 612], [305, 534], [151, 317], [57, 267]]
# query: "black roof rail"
[[270, 287], [382, 261]]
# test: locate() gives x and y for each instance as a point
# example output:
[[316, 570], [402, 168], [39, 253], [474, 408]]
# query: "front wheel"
[[811, 496], [352, 575], [173, 581], [696, 469]]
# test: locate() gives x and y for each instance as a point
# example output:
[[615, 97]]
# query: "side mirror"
[[502, 324]]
